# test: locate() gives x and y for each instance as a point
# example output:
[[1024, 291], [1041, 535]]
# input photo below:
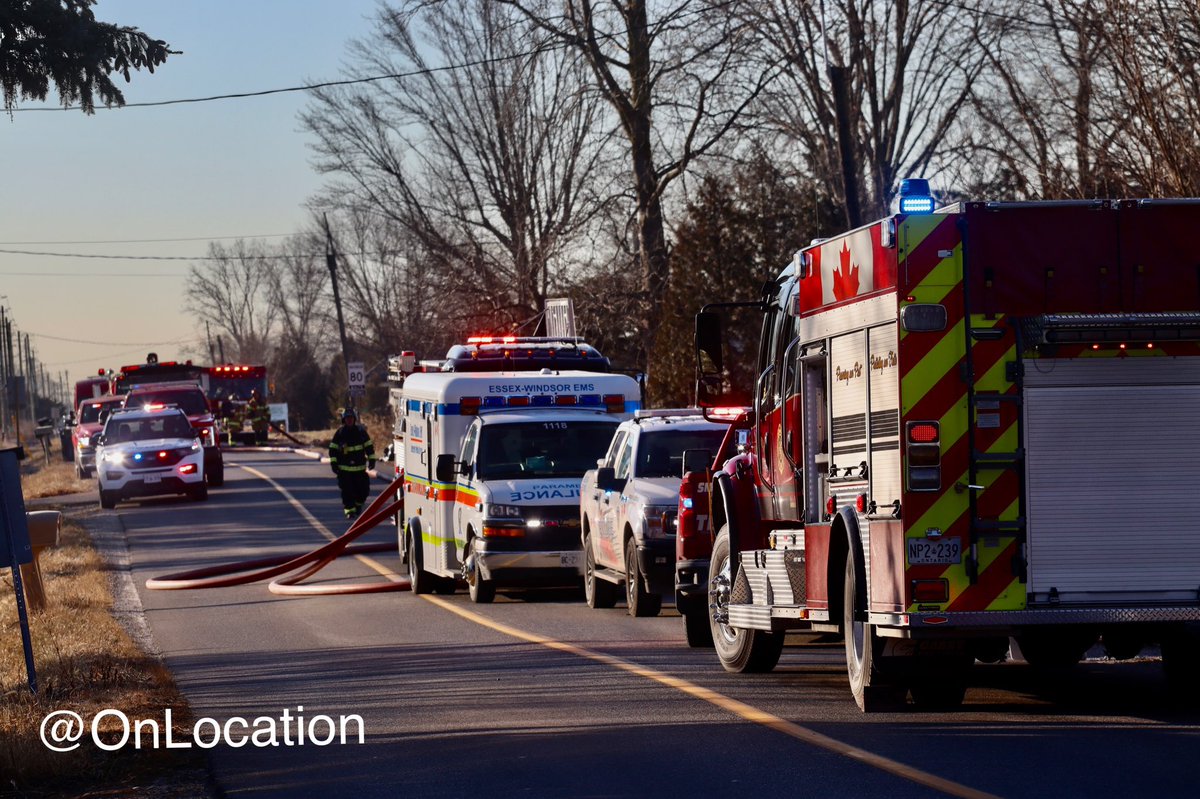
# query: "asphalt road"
[[538, 695]]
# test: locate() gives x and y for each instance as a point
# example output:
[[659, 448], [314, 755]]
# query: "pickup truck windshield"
[[89, 412], [524, 450], [660, 454]]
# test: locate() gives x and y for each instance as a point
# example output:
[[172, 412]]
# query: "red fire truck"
[[155, 371], [970, 423]]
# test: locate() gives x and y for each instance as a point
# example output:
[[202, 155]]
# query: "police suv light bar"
[[915, 196]]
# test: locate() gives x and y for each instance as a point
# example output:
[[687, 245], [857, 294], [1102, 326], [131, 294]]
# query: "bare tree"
[[872, 90], [232, 290], [674, 75], [489, 167]]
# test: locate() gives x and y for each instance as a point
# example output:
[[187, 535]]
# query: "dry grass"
[[84, 662], [39, 480]]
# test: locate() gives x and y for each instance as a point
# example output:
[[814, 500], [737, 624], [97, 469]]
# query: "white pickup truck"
[[628, 506]]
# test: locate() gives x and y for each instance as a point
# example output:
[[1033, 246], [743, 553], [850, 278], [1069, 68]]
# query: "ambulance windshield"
[[525, 450]]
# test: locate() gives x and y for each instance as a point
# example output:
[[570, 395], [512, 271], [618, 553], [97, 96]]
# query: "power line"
[[87, 274], [145, 241], [107, 343]]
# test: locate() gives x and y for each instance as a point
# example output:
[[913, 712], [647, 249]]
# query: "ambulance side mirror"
[[696, 460], [444, 468]]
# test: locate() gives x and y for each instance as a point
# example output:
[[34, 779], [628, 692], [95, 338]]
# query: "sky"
[[203, 171]]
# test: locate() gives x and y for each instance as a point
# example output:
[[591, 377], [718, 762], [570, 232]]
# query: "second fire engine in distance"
[[628, 504], [970, 424], [492, 464]]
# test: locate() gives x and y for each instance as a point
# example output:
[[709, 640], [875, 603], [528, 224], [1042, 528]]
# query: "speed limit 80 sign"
[[356, 378]]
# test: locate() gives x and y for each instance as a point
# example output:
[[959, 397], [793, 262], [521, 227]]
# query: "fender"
[[845, 522], [414, 525]]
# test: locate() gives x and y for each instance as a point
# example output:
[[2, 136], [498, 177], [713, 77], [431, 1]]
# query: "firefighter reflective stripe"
[[362, 468]]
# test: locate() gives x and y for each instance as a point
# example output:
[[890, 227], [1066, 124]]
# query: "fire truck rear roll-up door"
[[1113, 468]]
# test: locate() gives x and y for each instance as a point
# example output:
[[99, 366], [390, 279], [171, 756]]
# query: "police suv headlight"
[[114, 457], [503, 511]]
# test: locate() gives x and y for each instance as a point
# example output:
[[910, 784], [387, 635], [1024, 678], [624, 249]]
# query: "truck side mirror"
[[444, 468], [697, 460], [606, 479]]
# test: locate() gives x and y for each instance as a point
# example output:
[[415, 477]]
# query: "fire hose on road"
[[290, 570]]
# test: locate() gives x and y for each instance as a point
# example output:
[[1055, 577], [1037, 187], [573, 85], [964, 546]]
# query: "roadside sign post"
[[356, 379], [14, 545]]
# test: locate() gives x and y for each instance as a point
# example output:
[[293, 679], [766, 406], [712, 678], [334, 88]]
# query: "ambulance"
[[492, 466]]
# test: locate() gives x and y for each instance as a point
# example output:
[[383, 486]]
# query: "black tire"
[[1181, 662], [1055, 648], [940, 683], [641, 602], [871, 689], [481, 591], [695, 626], [108, 499], [597, 593], [198, 493], [80, 472], [215, 474], [740, 651], [421, 581], [989, 650]]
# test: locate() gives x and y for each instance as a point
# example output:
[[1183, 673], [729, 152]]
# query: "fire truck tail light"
[[860, 503], [923, 432], [469, 406], [924, 454], [615, 403], [924, 478], [931, 590], [830, 506]]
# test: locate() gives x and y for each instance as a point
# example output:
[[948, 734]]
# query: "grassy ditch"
[[85, 662], [39, 480]]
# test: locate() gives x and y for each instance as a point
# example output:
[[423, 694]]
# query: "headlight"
[[504, 511], [653, 515], [114, 457], [85, 441], [195, 446]]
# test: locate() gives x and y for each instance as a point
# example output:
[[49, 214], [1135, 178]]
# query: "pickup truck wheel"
[[482, 591], [596, 592], [749, 651], [421, 581], [641, 603]]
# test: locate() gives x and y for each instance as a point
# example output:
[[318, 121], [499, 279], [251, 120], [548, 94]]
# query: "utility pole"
[[5, 382], [331, 262], [16, 390], [31, 382]]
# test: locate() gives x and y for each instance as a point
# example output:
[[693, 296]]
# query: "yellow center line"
[[729, 704]]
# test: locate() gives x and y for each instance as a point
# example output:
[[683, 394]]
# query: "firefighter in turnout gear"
[[351, 453], [259, 417]]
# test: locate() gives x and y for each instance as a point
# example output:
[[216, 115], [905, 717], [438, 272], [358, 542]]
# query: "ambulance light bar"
[[612, 403]]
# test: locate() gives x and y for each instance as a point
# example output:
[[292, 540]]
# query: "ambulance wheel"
[[482, 591], [751, 651], [1181, 659], [641, 603], [596, 592], [421, 581], [864, 653], [108, 499]]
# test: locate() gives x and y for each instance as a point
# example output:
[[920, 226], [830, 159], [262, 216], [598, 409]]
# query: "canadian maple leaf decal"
[[845, 278]]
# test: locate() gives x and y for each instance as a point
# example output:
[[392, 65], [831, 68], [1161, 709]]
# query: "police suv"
[[145, 452]]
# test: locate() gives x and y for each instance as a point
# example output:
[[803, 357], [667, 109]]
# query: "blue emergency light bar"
[[915, 196]]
